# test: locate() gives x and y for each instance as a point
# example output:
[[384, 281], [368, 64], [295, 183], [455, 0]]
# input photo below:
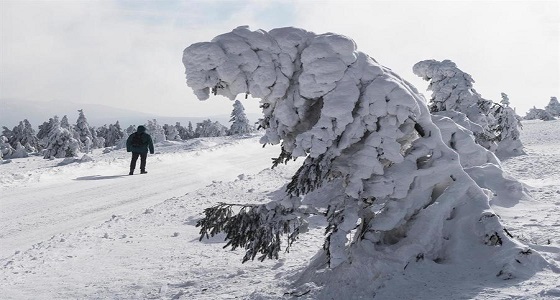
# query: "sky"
[[127, 54]]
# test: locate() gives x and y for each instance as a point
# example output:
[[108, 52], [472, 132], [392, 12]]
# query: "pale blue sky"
[[128, 53]]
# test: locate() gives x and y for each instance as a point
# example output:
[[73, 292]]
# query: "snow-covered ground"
[[87, 231]]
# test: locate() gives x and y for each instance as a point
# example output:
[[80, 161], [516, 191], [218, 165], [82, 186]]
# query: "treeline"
[[57, 138], [550, 112]]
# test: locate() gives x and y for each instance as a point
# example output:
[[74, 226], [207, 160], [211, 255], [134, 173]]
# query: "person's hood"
[[141, 129]]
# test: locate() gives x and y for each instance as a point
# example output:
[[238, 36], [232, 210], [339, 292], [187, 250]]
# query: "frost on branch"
[[257, 228], [376, 165]]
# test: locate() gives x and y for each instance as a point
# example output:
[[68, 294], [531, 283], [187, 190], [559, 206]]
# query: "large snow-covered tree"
[[392, 188], [240, 123], [453, 94], [553, 107]]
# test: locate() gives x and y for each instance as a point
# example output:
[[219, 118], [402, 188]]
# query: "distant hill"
[[14, 111]]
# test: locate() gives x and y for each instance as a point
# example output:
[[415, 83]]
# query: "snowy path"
[[89, 195]]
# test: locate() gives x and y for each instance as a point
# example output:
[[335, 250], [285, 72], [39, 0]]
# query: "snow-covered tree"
[[505, 99], [113, 135], [23, 134], [375, 164], [207, 128], [553, 107], [6, 150], [507, 126], [156, 131], [84, 132], [184, 132], [20, 151], [453, 93], [98, 142], [60, 142], [44, 130], [171, 132], [29, 138], [538, 114], [240, 124], [130, 130]]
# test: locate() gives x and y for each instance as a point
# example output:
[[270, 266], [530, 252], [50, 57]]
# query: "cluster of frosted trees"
[[550, 112], [57, 138]]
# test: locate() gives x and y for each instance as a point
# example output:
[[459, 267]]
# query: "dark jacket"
[[147, 142]]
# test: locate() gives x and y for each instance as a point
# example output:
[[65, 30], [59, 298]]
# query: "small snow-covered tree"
[[507, 126], [84, 132], [184, 132], [98, 142], [240, 124], [23, 134], [171, 132], [44, 130], [375, 163], [6, 150], [538, 114], [207, 128], [29, 137], [453, 93], [113, 135], [60, 142], [156, 131], [553, 107], [20, 151]]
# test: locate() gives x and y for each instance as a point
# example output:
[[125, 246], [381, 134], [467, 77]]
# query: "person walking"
[[139, 143]]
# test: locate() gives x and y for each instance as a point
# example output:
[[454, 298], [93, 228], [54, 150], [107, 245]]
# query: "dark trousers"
[[143, 157]]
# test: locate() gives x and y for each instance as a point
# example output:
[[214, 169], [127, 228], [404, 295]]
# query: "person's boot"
[[131, 172], [143, 172]]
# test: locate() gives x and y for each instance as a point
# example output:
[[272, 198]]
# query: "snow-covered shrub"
[[23, 134], [452, 90], [240, 123], [376, 165], [553, 107], [538, 114]]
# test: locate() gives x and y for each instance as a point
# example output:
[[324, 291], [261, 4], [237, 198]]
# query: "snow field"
[[150, 250]]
